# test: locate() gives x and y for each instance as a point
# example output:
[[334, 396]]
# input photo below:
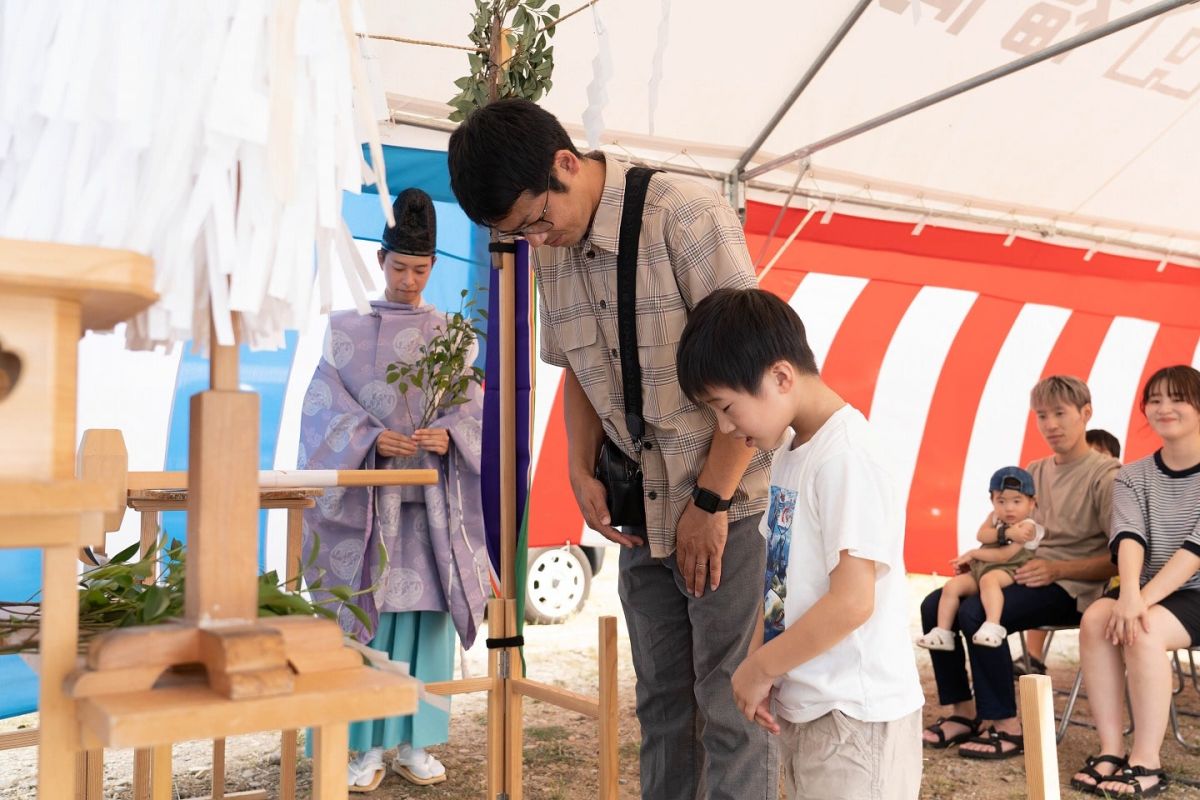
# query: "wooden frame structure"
[[135, 688], [138, 686]]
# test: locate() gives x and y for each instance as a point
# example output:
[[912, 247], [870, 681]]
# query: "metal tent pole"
[[986, 77]]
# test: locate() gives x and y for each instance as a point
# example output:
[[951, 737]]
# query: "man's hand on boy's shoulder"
[[1037, 572], [699, 546]]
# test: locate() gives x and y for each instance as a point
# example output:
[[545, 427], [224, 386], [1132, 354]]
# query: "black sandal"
[[942, 743], [1089, 769], [994, 739], [1129, 776]]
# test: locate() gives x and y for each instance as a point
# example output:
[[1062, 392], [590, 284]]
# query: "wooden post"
[[496, 705], [294, 558], [514, 740], [218, 769], [56, 711], [508, 425], [161, 773], [288, 747], [222, 565], [1037, 722], [149, 538], [331, 743], [141, 773], [608, 709]]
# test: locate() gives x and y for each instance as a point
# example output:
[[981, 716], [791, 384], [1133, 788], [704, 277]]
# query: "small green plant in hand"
[[443, 374]]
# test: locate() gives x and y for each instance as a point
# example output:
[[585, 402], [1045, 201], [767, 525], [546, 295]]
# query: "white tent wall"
[[1097, 142]]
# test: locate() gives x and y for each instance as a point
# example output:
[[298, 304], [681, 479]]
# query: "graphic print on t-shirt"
[[779, 543]]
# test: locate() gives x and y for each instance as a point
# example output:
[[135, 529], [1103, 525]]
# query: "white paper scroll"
[[216, 137]]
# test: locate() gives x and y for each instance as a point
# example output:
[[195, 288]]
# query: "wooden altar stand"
[[50, 294], [220, 671]]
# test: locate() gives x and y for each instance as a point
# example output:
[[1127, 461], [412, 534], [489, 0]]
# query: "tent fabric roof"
[[1095, 143]]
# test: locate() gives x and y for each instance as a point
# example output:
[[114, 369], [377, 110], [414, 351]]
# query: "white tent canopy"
[[1097, 144]]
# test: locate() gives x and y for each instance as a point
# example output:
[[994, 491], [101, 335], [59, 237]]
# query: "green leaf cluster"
[[118, 595], [442, 375], [526, 73]]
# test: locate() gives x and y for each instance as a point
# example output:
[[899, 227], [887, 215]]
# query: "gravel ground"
[[560, 746]]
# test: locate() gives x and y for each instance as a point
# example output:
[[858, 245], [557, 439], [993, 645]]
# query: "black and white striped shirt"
[[1160, 508]]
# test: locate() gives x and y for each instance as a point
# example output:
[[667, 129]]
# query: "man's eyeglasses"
[[539, 225]]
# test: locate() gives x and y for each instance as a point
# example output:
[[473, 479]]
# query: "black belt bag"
[[620, 474], [622, 479]]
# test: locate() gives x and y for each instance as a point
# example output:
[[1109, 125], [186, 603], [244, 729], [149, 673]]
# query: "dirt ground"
[[560, 746]]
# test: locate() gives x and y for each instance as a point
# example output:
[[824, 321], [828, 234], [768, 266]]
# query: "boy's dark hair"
[[1179, 381], [501, 150], [1099, 436], [732, 338]]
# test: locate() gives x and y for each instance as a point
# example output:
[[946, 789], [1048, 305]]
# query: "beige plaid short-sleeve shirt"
[[691, 244]]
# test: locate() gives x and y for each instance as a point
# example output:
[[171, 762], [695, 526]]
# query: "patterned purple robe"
[[434, 535]]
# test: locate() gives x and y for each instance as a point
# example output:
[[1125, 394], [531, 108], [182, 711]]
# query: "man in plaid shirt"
[[690, 597]]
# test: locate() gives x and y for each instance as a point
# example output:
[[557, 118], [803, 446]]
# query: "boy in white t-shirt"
[[833, 672]]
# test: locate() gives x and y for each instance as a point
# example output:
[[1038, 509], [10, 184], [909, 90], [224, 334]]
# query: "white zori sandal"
[[990, 635], [418, 766], [366, 772], [937, 639]]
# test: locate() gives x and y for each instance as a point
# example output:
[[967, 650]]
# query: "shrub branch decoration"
[[442, 374], [513, 58]]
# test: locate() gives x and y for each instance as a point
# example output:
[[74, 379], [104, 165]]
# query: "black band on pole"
[[502, 247], [503, 642]]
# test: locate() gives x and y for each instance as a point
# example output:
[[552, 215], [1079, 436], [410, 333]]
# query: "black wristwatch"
[[710, 501], [1002, 534]]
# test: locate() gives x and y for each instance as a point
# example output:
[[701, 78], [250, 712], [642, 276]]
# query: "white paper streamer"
[[382, 661], [656, 64], [224, 160], [597, 90]]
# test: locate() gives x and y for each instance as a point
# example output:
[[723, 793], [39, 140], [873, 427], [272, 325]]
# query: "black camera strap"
[[637, 180]]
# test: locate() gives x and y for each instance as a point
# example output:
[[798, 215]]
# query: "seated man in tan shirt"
[[1074, 491]]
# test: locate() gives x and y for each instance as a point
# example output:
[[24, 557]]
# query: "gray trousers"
[[696, 745]]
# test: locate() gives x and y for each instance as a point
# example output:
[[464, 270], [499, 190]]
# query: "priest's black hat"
[[415, 233]]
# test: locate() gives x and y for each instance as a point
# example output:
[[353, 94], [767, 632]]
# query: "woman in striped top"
[[1155, 540]]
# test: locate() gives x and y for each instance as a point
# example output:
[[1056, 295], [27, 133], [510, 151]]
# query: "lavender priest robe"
[[433, 535]]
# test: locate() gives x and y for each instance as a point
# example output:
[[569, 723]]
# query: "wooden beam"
[[288, 752], [16, 739], [222, 565], [460, 686], [555, 696], [609, 719], [1037, 722]]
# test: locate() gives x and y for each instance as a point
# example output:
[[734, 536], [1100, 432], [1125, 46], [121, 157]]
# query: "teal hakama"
[[425, 641]]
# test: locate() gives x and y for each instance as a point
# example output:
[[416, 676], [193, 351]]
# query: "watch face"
[[706, 500]]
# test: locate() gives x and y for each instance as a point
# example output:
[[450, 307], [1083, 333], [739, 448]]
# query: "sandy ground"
[[560, 746]]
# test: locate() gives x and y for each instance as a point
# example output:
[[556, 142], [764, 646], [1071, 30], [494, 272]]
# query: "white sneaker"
[[990, 635], [418, 766], [366, 772], [937, 639]]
